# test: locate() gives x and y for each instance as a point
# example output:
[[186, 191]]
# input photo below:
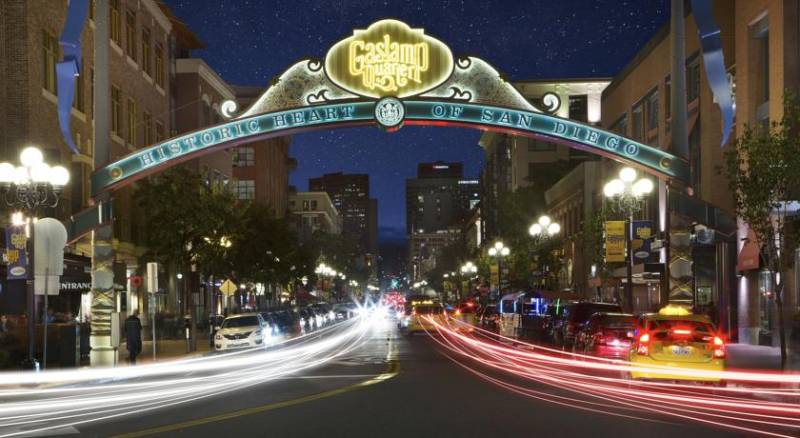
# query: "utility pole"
[[103, 295]]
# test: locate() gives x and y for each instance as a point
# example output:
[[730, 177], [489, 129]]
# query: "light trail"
[[75, 397], [596, 385]]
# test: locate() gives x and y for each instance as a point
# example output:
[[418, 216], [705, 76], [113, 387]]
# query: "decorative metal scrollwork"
[[314, 65], [463, 62], [318, 97], [551, 102], [460, 94]]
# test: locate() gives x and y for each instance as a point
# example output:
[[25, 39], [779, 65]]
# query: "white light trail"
[[74, 397]]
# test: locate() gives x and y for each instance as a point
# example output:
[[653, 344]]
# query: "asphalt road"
[[392, 386]]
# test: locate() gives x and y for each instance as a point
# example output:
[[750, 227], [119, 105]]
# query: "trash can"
[[69, 345]]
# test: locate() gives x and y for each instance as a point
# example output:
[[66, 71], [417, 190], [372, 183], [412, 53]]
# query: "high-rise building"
[[350, 196], [438, 202], [438, 197]]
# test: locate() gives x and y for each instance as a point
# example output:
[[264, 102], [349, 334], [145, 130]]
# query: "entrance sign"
[[389, 75], [389, 59]]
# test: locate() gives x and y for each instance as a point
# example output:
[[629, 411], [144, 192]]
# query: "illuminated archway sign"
[[390, 75]]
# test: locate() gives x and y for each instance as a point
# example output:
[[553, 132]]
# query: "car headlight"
[[218, 337]]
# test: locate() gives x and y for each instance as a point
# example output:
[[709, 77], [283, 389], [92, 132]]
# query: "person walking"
[[133, 336]]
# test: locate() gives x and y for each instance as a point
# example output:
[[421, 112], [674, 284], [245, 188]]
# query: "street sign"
[[228, 287]]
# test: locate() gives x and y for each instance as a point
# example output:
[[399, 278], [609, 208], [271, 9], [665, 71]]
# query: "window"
[[130, 34], [159, 130], [668, 102], [620, 126], [245, 156], [637, 122], [759, 62], [246, 189], [146, 51], [115, 26], [313, 205], [693, 79], [79, 101], [116, 110], [50, 54], [159, 65], [579, 108], [147, 121], [131, 137]]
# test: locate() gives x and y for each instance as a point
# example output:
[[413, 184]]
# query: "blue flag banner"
[[641, 242], [69, 67], [16, 252], [714, 61]]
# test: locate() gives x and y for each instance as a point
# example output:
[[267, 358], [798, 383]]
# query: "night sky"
[[251, 41]]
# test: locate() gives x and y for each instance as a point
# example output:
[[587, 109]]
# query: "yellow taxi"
[[420, 316], [675, 337]]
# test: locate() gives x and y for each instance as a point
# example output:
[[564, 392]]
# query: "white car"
[[240, 331]]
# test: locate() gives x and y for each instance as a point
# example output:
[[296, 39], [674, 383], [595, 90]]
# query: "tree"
[[764, 173]]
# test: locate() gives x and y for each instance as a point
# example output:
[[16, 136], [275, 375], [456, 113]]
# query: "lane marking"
[[392, 370]]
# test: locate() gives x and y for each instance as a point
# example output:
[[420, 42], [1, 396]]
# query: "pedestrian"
[[3, 324], [133, 336]]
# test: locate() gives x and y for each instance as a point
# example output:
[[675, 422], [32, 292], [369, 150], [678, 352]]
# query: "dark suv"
[[575, 317]]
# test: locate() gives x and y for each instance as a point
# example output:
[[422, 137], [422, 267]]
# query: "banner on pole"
[[16, 252], [615, 241]]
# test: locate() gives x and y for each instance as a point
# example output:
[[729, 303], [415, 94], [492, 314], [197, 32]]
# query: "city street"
[[391, 385]]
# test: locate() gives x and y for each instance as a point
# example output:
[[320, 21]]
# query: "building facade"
[[313, 212], [261, 169], [350, 196], [141, 59]]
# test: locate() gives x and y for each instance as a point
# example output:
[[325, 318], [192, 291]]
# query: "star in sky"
[[249, 42]]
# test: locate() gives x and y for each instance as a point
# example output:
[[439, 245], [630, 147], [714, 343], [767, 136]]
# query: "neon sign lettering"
[[388, 65]]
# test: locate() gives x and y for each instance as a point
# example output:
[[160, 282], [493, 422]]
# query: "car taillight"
[[458, 312], [643, 346], [719, 347]]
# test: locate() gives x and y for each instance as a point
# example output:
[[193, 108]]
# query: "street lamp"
[[543, 229], [28, 187], [499, 250], [468, 270], [627, 193]]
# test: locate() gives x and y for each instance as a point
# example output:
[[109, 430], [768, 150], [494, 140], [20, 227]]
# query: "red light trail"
[[765, 403]]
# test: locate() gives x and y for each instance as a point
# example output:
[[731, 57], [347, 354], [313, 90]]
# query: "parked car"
[[344, 310], [288, 322], [489, 317], [240, 331], [606, 335], [575, 317], [677, 338]]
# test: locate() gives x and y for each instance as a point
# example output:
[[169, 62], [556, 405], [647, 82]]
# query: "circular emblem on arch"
[[389, 113], [115, 172]]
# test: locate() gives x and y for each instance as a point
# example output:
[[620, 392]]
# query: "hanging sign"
[[16, 252], [615, 241], [389, 58], [642, 241]]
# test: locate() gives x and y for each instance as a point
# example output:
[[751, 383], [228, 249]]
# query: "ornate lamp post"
[[627, 193], [468, 270], [28, 187], [500, 251], [543, 229]]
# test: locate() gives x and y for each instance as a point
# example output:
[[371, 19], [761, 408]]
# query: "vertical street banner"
[[641, 241], [615, 241], [16, 252], [494, 275]]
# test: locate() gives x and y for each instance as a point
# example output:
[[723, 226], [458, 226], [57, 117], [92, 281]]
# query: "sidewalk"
[[760, 357], [166, 350]]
